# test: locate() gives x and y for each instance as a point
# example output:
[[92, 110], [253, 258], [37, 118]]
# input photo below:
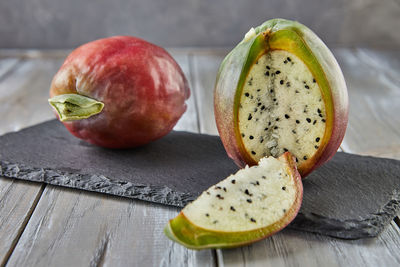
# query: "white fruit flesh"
[[252, 198], [281, 108]]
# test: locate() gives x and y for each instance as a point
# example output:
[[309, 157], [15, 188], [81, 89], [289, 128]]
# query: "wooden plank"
[[374, 92], [204, 68], [22, 84], [75, 228], [6, 66], [291, 248]]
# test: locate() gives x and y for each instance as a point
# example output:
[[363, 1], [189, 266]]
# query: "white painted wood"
[[76, 228], [17, 201], [204, 68], [374, 90], [24, 94], [6, 66], [294, 248], [18, 198]]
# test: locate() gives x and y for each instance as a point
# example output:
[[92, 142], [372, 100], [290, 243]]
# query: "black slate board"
[[349, 197]]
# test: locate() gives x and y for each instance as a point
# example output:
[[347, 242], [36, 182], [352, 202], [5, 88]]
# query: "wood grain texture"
[[374, 91], [204, 68], [18, 198], [292, 248], [74, 228]]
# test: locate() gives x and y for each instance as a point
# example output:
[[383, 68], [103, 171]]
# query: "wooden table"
[[46, 225]]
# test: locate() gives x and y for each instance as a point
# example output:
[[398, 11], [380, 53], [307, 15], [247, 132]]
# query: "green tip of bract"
[[71, 107]]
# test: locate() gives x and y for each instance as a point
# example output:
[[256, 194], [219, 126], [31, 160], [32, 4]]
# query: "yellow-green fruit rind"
[[183, 231], [291, 36]]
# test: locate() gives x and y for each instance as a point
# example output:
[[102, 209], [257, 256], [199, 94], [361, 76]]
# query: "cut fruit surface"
[[281, 89], [281, 108], [245, 207]]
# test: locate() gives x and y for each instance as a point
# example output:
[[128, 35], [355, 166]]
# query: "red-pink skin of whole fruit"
[[142, 87]]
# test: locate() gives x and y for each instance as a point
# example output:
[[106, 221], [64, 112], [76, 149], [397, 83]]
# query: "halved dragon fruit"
[[247, 206], [280, 90]]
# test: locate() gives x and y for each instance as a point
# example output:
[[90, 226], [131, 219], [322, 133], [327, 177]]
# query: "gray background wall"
[[68, 23]]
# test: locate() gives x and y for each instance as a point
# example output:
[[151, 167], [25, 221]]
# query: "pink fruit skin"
[[142, 87]]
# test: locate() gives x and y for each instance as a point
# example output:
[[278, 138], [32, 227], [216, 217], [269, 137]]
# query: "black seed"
[[285, 149], [208, 215], [252, 152], [255, 110], [263, 177], [281, 82], [271, 91], [243, 135], [319, 111], [297, 121], [250, 117], [323, 120], [275, 127], [278, 71], [257, 183], [307, 87], [214, 222], [277, 119], [316, 147], [252, 220], [287, 116], [314, 122], [258, 104], [232, 208], [294, 131], [267, 73], [288, 84], [285, 61], [283, 188], [247, 94], [308, 120], [266, 129], [297, 160], [268, 68], [224, 188], [297, 141], [247, 192], [261, 140], [219, 196], [305, 157], [207, 192], [317, 139], [284, 210], [274, 99], [288, 59], [257, 62], [314, 81], [251, 137], [297, 91], [258, 90], [233, 181], [269, 123], [262, 107], [218, 187], [249, 200]]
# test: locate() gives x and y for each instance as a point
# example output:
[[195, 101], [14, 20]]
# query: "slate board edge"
[[96, 183], [349, 229]]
